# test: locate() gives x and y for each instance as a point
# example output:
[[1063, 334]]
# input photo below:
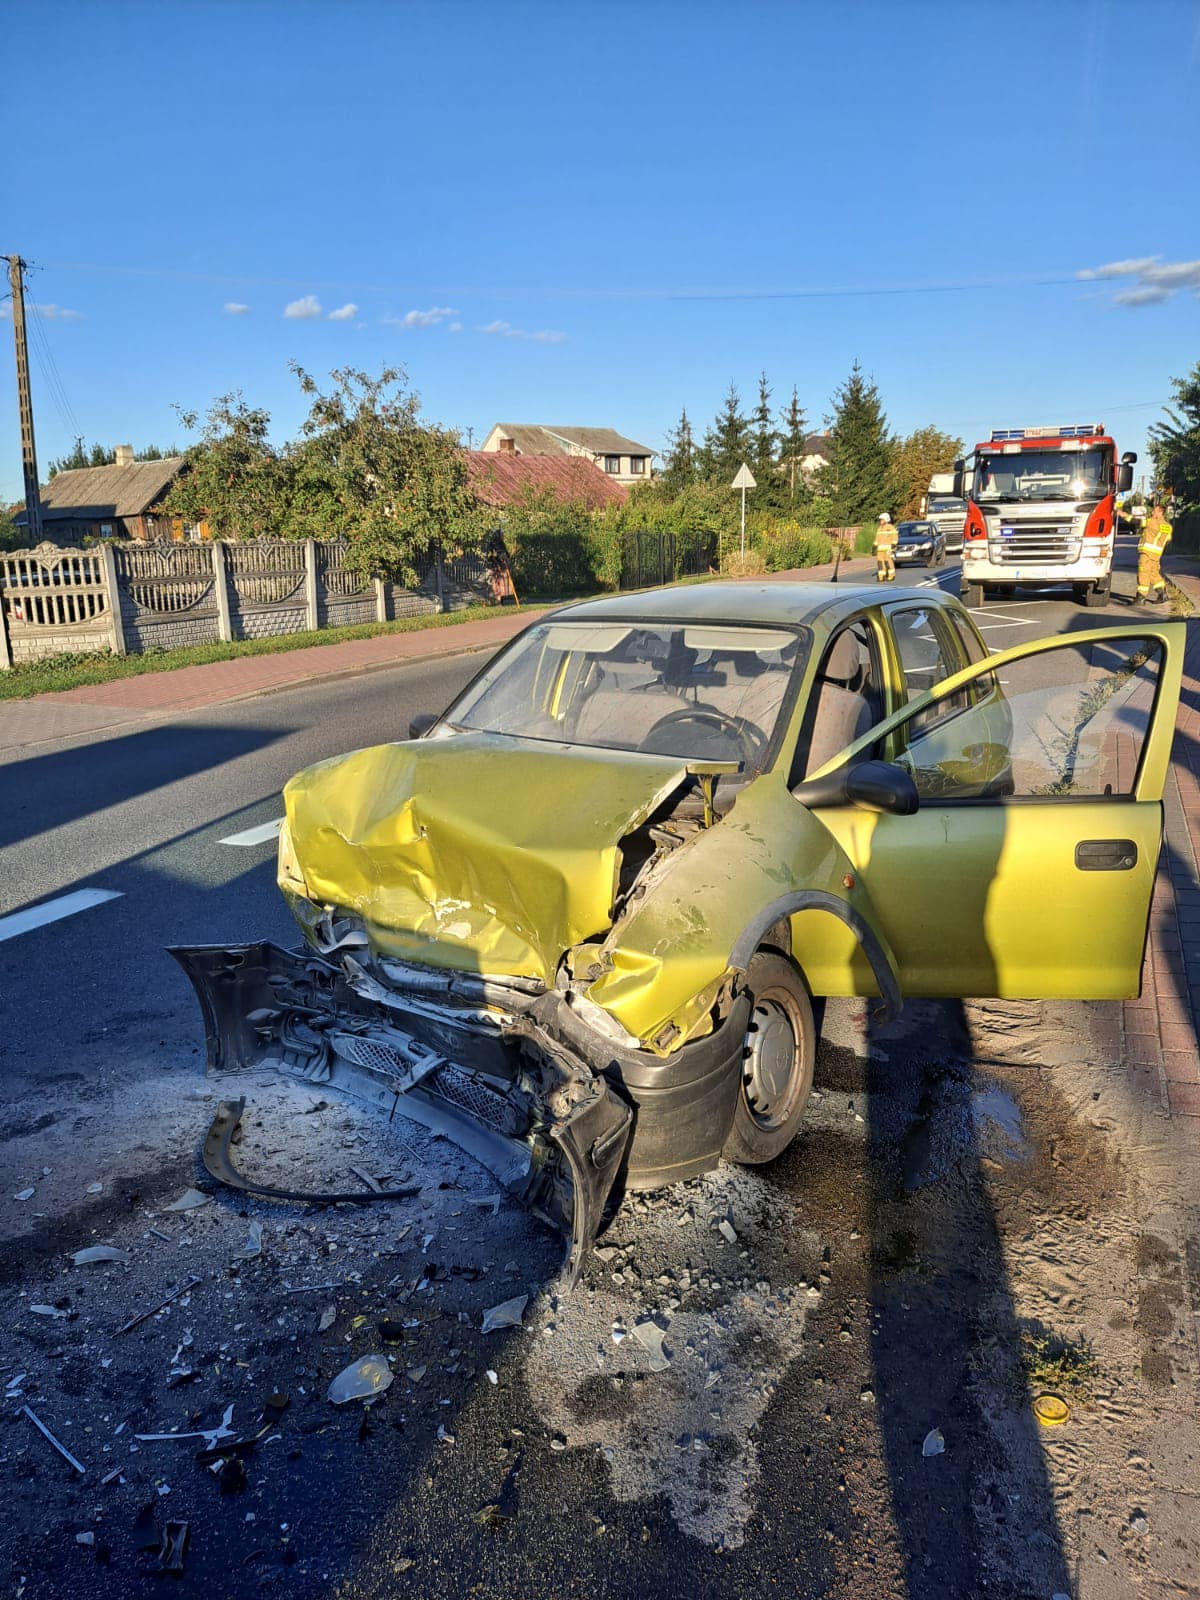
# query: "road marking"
[[263, 834], [65, 905]]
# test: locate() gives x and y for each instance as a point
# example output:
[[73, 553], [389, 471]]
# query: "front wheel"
[[778, 1055], [971, 594], [1096, 594]]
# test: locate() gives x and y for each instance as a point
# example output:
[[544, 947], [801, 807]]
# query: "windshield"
[[945, 502], [916, 530], [701, 691], [1042, 475]]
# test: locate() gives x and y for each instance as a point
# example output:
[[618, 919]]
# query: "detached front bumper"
[[555, 1104]]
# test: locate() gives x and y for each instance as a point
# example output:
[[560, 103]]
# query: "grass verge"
[[72, 671]]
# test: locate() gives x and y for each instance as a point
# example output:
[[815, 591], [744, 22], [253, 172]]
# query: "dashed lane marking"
[[64, 905], [263, 834]]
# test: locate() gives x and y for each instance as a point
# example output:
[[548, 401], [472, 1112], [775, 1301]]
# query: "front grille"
[[388, 1059], [465, 1091], [1038, 544]]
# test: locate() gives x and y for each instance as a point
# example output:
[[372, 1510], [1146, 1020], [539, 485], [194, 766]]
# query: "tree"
[[233, 476], [1175, 443], [369, 470], [728, 442], [915, 459], [792, 441], [679, 465], [856, 477], [765, 443], [103, 456]]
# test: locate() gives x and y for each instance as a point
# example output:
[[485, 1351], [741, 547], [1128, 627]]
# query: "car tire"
[[971, 594], [1097, 594], [778, 1055]]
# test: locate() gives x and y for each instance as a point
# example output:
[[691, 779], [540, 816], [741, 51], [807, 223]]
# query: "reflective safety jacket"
[[886, 537], [1156, 536]]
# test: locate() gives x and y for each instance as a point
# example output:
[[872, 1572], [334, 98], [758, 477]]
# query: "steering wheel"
[[749, 738]]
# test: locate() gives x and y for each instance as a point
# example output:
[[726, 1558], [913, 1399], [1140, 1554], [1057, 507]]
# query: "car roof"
[[743, 602]]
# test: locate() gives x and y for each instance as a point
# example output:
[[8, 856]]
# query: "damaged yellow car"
[[579, 920]]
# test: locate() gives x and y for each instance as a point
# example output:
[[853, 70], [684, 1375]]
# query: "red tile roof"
[[502, 480]]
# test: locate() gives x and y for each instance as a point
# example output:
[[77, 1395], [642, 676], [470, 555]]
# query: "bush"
[[737, 565], [1186, 534], [784, 546]]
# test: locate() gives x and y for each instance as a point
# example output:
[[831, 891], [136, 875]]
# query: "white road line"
[[1001, 617], [65, 905], [263, 834]]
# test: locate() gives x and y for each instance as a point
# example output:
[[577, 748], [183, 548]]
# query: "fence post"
[[310, 585], [109, 563], [439, 577], [5, 647], [380, 600], [221, 590]]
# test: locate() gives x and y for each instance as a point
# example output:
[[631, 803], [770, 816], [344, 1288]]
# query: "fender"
[[818, 900]]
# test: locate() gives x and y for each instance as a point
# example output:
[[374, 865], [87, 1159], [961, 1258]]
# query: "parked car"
[[583, 920], [920, 544]]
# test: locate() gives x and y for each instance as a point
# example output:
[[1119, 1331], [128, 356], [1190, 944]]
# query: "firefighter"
[[886, 539], [1156, 536]]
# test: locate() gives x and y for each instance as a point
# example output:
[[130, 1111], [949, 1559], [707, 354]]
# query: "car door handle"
[[1106, 855]]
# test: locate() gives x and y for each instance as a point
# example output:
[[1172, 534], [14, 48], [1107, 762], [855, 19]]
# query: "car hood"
[[478, 851]]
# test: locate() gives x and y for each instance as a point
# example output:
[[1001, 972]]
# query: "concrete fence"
[[132, 598]]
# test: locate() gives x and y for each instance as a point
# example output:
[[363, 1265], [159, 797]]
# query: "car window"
[[1072, 724], [975, 650], [928, 654], [847, 698]]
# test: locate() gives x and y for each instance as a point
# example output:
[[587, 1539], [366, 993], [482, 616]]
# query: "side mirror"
[[421, 724], [872, 785], [1125, 477], [959, 474]]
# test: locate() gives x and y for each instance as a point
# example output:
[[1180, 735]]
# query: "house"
[[504, 478], [816, 455], [117, 502], [617, 457]]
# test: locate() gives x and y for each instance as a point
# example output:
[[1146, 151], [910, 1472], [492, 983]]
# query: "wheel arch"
[[764, 931]]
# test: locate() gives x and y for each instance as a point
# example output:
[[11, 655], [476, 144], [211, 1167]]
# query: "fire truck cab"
[[1041, 510]]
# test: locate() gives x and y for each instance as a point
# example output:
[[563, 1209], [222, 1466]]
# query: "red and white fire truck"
[[1041, 510]]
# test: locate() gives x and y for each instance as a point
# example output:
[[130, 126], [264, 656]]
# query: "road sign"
[[743, 481]]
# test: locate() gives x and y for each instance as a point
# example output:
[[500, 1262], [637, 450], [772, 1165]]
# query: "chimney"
[[507, 447], [124, 455]]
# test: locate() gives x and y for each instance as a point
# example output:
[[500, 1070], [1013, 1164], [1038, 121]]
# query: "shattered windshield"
[[701, 691], [1042, 475]]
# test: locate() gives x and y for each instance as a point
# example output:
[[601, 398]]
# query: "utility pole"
[[33, 504]]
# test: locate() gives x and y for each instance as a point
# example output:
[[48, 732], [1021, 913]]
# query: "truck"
[[1041, 510], [943, 507]]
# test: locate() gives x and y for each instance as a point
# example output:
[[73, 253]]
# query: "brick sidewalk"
[[95, 707], [1162, 1029]]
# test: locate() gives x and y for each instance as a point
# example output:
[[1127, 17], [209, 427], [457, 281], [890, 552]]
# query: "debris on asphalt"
[[25, 1194], [253, 1244], [499, 1512], [935, 1444], [327, 1320], [1051, 1410], [189, 1200], [365, 1177], [99, 1252], [143, 1316], [95, 1188], [650, 1336], [727, 1231], [492, 1377], [211, 1436], [391, 1332], [87, 1538], [46, 1434], [507, 1314], [364, 1379], [49, 1311], [171, 1551]]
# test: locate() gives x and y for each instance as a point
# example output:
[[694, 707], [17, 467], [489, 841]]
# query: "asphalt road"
[[90, 1002]]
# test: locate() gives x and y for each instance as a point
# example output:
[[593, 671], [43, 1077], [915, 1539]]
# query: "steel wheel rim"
[[772, 1058]]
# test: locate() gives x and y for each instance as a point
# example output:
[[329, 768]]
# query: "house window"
[[612, 463], [637, 465], [106, 530]]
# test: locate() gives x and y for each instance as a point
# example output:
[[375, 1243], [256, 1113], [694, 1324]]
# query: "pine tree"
[[679, 465], [856, 477], [765, 443], [728, 441], [793, 439]]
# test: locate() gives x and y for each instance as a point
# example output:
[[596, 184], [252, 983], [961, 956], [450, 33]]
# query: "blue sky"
[[596, 214]]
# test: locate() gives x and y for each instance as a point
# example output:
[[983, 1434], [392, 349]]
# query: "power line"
[[49, 367]]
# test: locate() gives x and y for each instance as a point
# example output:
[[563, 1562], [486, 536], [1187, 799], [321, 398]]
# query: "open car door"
[[1028, 868]]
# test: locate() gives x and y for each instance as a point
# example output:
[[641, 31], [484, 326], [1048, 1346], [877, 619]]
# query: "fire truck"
[[1041, 510]]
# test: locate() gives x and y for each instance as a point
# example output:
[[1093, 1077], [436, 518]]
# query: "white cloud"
[[505, 330], [422, 319], [456, 327], [344, 313], [304, 309], [1155, 280], [235, 308], [1150, 294], [51, 313]]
